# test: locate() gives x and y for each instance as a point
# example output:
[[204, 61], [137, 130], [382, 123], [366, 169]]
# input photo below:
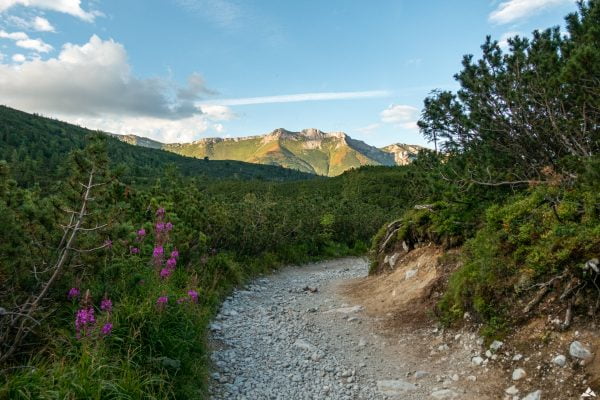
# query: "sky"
[[181, 70]]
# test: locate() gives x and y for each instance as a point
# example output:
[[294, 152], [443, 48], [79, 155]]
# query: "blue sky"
[[180, 70]]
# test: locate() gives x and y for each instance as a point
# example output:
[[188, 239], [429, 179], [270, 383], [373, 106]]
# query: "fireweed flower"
[[107, 328], [84, 319], [165, 272], [193, 295], [175, 254], [73, 293], [168, 226], [141, 232], [160, 227], [162, 301], [106, 305], [160, 212], [134, 250], [158, 252], [171, 262]]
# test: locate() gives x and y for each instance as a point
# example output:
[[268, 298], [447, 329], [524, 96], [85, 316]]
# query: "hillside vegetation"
[[518, 186], [31, 144]]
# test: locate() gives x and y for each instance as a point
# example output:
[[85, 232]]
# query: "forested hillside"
[[36, 147]]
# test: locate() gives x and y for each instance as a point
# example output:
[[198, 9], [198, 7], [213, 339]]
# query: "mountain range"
[[309, 150]]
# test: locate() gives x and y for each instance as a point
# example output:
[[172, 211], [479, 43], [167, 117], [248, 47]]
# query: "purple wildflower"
[[165, 272], [175, 254], [158, 252], [168, 226], [106, 305], [107, 328], [84, 319], [73, 293], [141, 232], [171, 262], [134, 250], [160, 212], [162, 301], [193, 295], [160, 227]]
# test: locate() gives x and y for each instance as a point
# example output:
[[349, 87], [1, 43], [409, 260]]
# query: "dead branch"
[[538, 297], [26, 311]]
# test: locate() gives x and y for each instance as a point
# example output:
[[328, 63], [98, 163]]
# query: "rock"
[[537, 395], [593, 264], [346, 374], [496, 345], [410, 274], [578, 350], [471, 378], [394, 387], [512, 390], [346, 310], [517, 357], [393, 260], [559, 360], [444, 394], [216, 376], [421, 374], [488, 354], [215, 327], [443, 347], [477, 360], [304, 345], [362, 342], [518, 374]]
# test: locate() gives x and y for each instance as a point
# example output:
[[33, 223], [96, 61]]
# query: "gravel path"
[[276, 340]]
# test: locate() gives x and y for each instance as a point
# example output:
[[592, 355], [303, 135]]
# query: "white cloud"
[[92, 85], [401, 115], [512, 10], [503, 42], [71, 7], [219, 128], [34, 44], [289, 98], [24, 41], [18, 58], [93, 79], [217, 112], [42, 25], [39, 24], [13, 35], [167, 131]]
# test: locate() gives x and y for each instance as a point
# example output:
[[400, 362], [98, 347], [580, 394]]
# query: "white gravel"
[[274, 340]]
